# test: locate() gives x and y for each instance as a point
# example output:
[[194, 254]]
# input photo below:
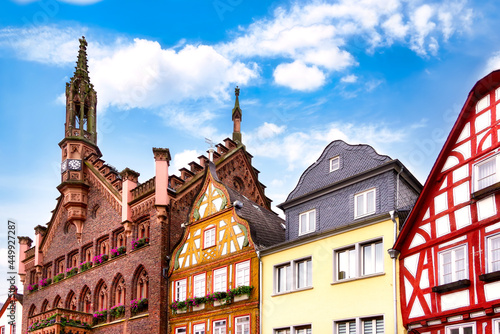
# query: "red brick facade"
[[89, 216]]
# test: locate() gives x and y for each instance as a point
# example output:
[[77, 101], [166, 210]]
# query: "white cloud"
[[300, 148], [349, 79], [299, 76], [135, 74], [493, 63], [182, 159]]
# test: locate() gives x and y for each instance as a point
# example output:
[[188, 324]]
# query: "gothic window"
[[86, 300], [142, 285], [60, 266], [104, 247], [88, 254], [102, 297], [33, 277], [57, 302], [48, 271], [44, 306], [73, 260], [32, 311], [143, 230], [119, 291], [120, 240], [71, 301]]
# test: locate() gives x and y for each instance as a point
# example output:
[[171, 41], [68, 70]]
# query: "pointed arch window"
[[142, 285], [104, 247], [45, 306], [86, 300], [102, 297], [57, 302], [119, 291], [143, 230], [71, 301]]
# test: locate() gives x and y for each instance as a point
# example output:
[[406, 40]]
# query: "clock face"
[[74, 164], [64, 166]]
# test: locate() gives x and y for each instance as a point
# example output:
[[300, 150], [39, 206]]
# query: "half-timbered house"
[[450, 243]]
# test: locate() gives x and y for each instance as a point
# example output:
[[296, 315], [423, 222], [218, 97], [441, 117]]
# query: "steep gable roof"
[[354, 159], [481, 88]]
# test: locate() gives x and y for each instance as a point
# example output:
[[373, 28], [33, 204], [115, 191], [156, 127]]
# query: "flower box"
[[222, 302], [198, 308], [240, 298]]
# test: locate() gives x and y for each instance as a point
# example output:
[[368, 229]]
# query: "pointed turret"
[[81, 101], [80, 139], [237, 117]]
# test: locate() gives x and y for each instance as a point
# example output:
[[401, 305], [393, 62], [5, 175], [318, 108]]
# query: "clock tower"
[[80, 140]]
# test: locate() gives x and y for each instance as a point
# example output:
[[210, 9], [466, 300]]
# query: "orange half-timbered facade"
[[450, 243], [214, 270]]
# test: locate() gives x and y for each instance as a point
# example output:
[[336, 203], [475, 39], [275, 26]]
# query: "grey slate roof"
[[354, 159], [332, 194]]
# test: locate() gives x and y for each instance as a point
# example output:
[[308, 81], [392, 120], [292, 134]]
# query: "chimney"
[[162, 161], [129, 181], [39, 234]]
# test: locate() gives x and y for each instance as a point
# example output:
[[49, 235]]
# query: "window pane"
[[303, 223], [446, 266], [486, 173], [309, 273], [301, 274], [368, 327], [468, 330], [360, 205], [379, 257], [460, 263], [370, 202], [368, 264], [288, 278], [312, 221], [495, 254], [352, 263]]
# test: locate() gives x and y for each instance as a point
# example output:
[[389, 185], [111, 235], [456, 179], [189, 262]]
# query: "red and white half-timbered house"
[[450, 243]]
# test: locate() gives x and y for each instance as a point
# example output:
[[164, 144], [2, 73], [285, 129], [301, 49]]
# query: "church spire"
[[81, 69], [81, 101], [237, 115], [80, 141]]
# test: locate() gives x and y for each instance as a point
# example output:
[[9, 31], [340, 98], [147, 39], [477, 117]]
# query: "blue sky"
[[389, 73]]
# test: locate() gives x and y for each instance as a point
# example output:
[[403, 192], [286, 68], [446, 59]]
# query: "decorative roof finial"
[[237, 115], [82, 69]]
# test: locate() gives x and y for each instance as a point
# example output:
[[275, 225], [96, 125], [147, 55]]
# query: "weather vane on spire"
[[237, 91]]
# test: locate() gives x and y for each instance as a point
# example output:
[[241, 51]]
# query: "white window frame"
[[209, 237], [291, 280], [200, 285], [242, 273], [358, 324], [179, 329], [284, 330], [180, 288], [373, 257], [220, 279], [460, 328], [453, 251], [364, 195], [308, 273], [335, 163], [219, 329], [199, 328], [240, 327], [475, 171], [302, 329], [310, 226], [496, 326], [489, 259], [355, 260]]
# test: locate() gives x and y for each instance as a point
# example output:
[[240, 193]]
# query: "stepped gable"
[[314, 177]]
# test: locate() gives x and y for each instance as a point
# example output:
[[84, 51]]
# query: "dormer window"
[[209, 237], [307, 222], [364, 203], [334, 163]]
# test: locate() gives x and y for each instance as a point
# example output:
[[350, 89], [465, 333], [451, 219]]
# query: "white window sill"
[[357, 278], [291, 291], [305, 233], [365, 215]]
